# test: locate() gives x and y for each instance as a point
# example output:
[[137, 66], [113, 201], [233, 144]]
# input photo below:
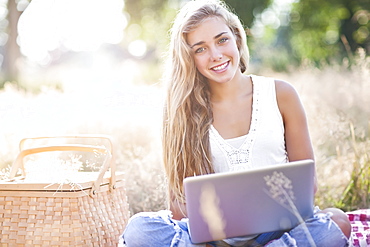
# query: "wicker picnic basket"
[[42, 214]]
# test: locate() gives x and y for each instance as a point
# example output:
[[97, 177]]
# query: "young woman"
[[219, 119]]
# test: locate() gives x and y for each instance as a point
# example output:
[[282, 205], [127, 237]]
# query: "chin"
[[219, 81], [224, 79]]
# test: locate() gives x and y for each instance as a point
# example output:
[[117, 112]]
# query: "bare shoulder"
[[284, 88], [286, 95]]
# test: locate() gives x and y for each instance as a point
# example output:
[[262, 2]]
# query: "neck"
[[238, 86]]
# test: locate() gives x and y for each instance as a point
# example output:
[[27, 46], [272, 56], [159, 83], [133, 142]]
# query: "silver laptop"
[[225, 205]]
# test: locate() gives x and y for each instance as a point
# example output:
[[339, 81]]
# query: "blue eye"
[[223, 40], [199, 50]]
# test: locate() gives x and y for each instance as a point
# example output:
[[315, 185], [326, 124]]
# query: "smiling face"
[[214, 50]]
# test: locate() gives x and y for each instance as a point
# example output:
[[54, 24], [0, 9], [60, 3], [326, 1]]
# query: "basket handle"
[[107, 138], [85, 136], [109, 161]]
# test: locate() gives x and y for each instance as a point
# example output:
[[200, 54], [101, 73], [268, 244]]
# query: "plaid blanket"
[[360, 221]]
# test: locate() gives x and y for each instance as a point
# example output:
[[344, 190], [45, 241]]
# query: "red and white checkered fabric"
[[360, 221]]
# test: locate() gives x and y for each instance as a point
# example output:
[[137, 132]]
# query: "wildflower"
[[281, 188]]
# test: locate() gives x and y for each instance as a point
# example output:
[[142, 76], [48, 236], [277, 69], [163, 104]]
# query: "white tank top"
[[263, 145]]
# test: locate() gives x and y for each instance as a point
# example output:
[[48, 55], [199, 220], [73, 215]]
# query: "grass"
[[357, 192], [336, 101], [131, 116], [337, 105]]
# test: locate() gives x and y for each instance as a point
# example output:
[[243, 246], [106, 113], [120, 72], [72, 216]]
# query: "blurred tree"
[[151, 19], [327, 31], [148, 25], [247, 10], [12, 50]]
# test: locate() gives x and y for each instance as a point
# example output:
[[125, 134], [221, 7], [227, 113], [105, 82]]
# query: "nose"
[[216, 54]]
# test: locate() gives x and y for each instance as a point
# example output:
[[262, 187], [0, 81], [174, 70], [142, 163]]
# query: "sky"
[[77, 25]]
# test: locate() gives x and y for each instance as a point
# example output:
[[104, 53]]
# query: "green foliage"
[[248, 9], [327, 31], [150, 21]]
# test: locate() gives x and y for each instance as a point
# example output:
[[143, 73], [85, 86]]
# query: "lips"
[[220, 67]]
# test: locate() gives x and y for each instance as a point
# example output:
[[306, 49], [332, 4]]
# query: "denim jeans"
[[158, 229]]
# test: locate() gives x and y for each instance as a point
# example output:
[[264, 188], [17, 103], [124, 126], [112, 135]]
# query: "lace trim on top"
[[239, 158]]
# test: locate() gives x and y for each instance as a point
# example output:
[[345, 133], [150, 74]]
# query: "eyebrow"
[[202, 42]]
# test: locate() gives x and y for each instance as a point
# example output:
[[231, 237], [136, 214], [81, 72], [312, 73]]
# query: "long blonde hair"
[[187, 112]]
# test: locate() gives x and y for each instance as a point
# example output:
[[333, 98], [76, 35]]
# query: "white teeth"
[[222, 66]]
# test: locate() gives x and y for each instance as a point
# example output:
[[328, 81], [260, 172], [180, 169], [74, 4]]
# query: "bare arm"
[[297, 138]]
